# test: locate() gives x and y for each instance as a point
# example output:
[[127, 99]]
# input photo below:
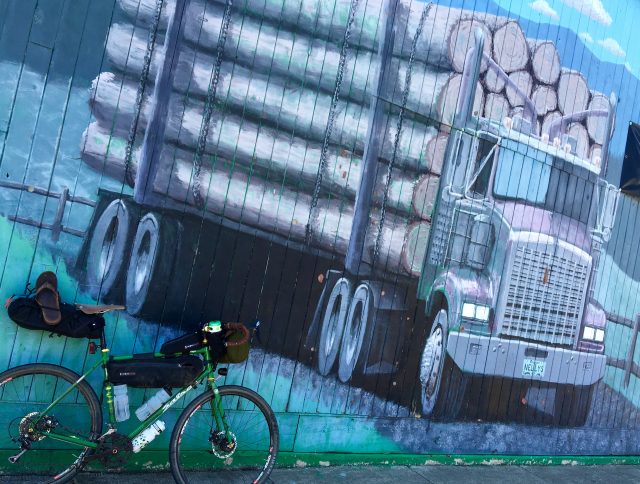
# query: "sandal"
[[48, 298]]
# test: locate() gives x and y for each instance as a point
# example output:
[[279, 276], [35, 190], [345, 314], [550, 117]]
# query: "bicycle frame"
[[208, 372]]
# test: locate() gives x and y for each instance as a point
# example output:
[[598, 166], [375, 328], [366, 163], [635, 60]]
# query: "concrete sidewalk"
[[388, 474]]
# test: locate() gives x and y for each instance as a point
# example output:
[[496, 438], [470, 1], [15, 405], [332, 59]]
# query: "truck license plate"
[[531, 367]]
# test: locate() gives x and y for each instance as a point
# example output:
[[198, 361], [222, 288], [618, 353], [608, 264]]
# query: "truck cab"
[[512, 260]]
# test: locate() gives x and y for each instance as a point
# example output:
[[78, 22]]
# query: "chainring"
[[112, 448]]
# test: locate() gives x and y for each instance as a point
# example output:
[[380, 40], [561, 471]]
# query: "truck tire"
[[443, 385], [150, 266], [357, 323], [572, 405], [333, 322], [107, 254]]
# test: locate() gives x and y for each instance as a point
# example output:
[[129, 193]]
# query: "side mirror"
[[480, 242], [608, 196]]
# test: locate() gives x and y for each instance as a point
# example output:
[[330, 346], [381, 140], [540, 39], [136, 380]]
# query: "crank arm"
[[15, 458]]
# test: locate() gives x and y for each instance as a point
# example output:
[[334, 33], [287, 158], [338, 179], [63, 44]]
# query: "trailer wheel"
[[357, 322], [107, 251], [333, 322], [150, 266], [572, 405], [443, 385]]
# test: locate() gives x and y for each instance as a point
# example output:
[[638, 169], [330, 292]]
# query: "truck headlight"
[[593, 334], [476, 311]]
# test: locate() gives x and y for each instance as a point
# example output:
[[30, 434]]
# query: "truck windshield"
[[545, 181]]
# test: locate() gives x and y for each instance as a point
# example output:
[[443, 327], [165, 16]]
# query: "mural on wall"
[[417, 199]]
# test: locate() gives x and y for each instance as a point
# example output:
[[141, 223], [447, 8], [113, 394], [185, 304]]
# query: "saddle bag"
[[27, 313], [144, 371]]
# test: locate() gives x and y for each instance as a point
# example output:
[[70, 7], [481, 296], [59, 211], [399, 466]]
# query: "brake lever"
[[255, 331]]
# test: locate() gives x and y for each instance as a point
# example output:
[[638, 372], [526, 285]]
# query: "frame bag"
[[144, 371], [25, 312]]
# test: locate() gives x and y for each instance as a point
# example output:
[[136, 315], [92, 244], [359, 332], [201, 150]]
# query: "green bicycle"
[[54, 418]]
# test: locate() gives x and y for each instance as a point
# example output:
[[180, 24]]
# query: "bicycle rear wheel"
[[198, 447], [27, 390]]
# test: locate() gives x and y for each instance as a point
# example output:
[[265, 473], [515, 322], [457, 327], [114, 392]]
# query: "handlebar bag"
[[25, 312], [144, 371]]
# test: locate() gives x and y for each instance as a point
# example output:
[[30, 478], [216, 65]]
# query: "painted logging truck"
[[511, 263], [500, 252]]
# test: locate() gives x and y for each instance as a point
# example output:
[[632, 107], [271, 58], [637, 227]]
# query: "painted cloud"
[[591, 8], [543, 7], [612, 46], [586, 37]]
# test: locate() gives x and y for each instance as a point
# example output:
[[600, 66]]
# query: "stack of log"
[[280, 63]]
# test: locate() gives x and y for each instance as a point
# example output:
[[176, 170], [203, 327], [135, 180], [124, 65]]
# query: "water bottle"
[[147, 435], [121, 402], [153, 404]]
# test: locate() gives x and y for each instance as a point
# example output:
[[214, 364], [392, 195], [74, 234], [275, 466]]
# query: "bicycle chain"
[[396, 141], [209, 105], [332, 115], [142, 85]]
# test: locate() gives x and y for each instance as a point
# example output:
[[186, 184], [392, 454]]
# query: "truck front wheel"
[[443, 385]]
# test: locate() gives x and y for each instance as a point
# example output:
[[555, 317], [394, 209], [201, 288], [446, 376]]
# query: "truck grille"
[[545, 295]]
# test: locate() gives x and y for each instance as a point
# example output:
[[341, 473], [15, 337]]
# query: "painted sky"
[[607, 27]]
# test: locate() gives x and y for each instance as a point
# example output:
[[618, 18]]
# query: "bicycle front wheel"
[[199, 446], [25, 392]]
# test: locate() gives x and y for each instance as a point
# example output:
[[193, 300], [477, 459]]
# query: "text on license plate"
[[531, 367]]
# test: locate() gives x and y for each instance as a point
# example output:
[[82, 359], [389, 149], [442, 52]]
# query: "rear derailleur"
[[32, 430]]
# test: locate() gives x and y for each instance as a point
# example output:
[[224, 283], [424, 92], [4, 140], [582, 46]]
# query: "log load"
[[544, 99], [573, 92], [289, 109], [510, 48], [579, 132], [522, 79], [234, 192], [415, 248], [194, 73], [449, 99], [548, 119], [597, 125], [493, 82], [246, 142], [424, 195], [545, 62], [496, 107], [328, 21], [436, 149]]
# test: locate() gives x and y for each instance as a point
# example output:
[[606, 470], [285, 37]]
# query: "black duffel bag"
[[26, 312], [144, 371]]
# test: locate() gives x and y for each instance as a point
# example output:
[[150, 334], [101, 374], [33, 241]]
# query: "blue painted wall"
[[70, 71]]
